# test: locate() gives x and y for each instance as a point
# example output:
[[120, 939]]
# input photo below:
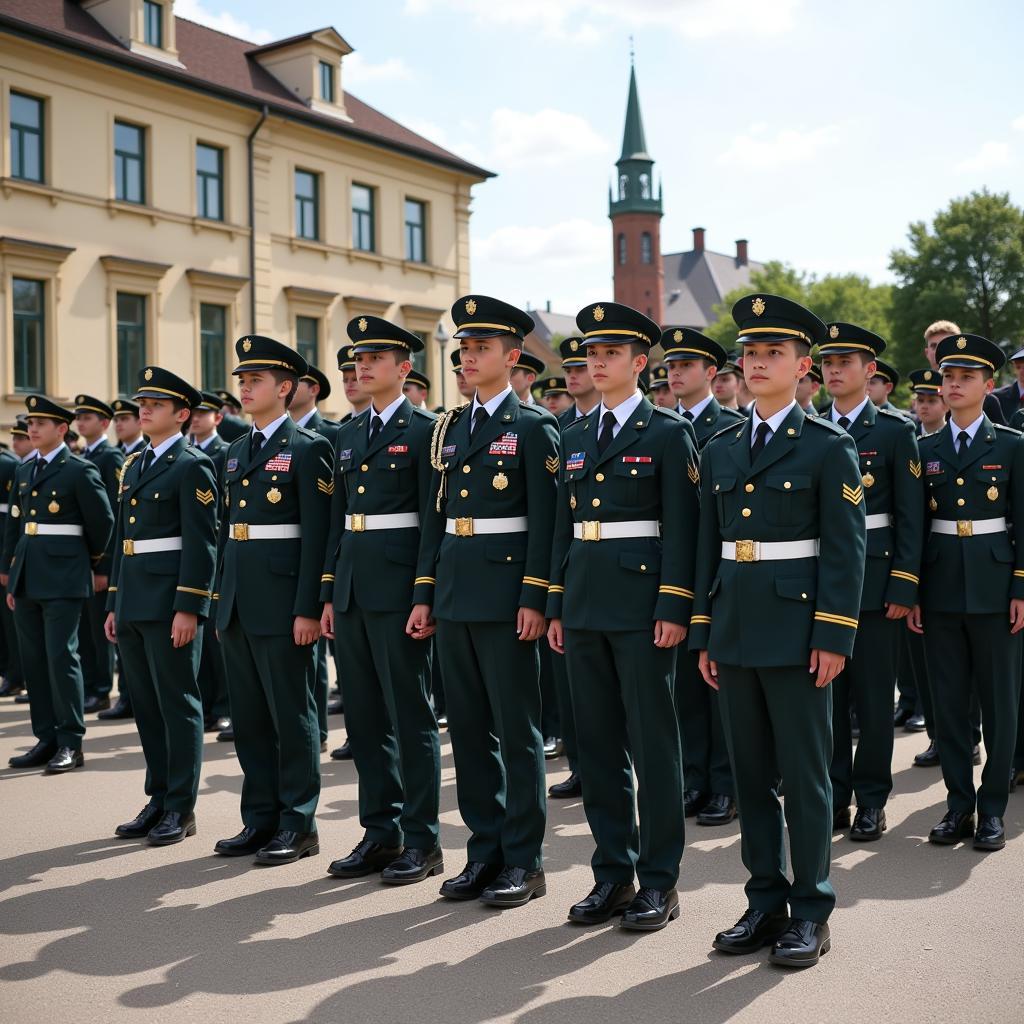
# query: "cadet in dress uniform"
[[780, 568], [972, 589], [807, 390], [627, 514], [890, 467], [127, 428], [661, 392], [277, 485], [465, 389], [417, 388], [693, 362], [92, 417], [381, 492], [486, 541], [881, 385], [165, 554], [57, 532], [233, 425], [527, 369], [14, 680]]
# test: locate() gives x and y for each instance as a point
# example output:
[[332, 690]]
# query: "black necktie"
[[376, 426], [256, 444], [147, 460], [963, 442], [607, 431], [760, 439], [688, 415], [480, 417], [38, 467], [844, 422]]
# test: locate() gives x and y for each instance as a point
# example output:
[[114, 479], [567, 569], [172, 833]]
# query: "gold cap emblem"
[[927, 374], [149, 373], [961, 343], [471, 306], [552, 383], [247, 345], [598, 313], [79, 399], [32, 402], [758, 306], [833, 331], [362, 325], [678, 336], [573, 345]]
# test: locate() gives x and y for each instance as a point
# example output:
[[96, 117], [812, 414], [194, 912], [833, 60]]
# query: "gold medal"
[[273, 495], [933, 504], [500, 482], [572, 502], [15, 511], [868, 480], [54, 508], [992, 493]]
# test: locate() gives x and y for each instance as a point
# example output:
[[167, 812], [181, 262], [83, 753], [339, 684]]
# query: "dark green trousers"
[[919, 667], [213, 677], [866, 685], [778, 722], [549, 707], [96, 654], [393, 731], [321, 685], [168, 710], [705, 756], [1018, 755], [962, 648], [277, 739], [13, 671], [626, 722], [48, 641], [566, 721], [492, 689], [437, 682]]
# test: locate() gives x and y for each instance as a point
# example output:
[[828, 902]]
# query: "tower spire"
[[634, 144]]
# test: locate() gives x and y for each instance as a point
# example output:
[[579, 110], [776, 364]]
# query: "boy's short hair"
[[941, 327], [280, 376]]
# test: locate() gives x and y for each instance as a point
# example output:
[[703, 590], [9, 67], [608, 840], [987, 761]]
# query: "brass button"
[[599, 477], [960, 501], [804, 596], [643, 568], [746, 513], [135, 501], [157, 494], [245, 483], [868, 463], [35, 493], [32, 512], [466, 469], [241, 504], [360, 489], [749, 488], [632, 472], [274, 476], [500, 463], [508, 558], [463, 493], [364, 467], [787, 485], [596, 502], [959, 481], [392, 466], [131, 519]]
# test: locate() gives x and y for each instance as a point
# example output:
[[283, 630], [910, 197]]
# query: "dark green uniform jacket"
[[508, 469], [217, 452], [233, 427], [108, 459], [804, 485], [324, 427], [975, 574], [9, 463], [648, 472], [176, 498], [713, 418]]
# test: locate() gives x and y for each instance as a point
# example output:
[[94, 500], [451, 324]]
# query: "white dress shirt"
[[971, 431], [622, 412], [774, 422], [852, 415]]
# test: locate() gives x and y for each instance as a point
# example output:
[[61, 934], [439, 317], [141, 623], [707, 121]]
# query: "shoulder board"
[[80, 459], [729, 431], [576, 422], [1007, 429], [670, 414], [538, 409], [190, 449], [826, 424], [734, 414], [893, 414], [307, 433], [425, 413]]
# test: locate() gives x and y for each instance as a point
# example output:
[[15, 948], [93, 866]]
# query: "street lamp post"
[[441, 337]]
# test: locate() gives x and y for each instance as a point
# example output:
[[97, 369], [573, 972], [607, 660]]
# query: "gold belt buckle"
[[965, 527], [464, 527], [127, 547], [358, 522], [746, 551], [591, 529], [31, 529], [240, 531]]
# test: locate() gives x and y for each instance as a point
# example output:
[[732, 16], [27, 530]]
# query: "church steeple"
[[634, 190]]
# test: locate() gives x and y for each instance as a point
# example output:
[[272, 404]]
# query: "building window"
[[209, 182], [623, 186], [26, 137], [29, 335], [415, 231], [131, 340], [326, 82], [645, 247], [362, 218], [212, 344], [645, 186], [153, 15], [129, 162], [622, 249], [307, 205], [307, 338], [419, 359]]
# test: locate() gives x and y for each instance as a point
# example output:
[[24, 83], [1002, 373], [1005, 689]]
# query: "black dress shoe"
[[65, 760], [96, 704], [342, 753], [22, 698], [287, 847], [514, 887], [801, 944], [413, 866], [976, 755], [915, 723], [553, 747], [172, 828], [246, 843], [570, 787], [226, 735], [470, 881], [693, 801], [752, 931], [9, 689], [605, 900], [367, 858], [990, 834], [901, 716], [141, 824], [121, 709], [719, 810], [841, 819], [34, 758], [335, 706], [928, 758], [868, 824], [956, 825], [650, 910]]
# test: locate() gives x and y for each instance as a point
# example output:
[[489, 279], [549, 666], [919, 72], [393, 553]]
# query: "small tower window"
[[645, 247], [623, 186], [622, 249], [645, 186]]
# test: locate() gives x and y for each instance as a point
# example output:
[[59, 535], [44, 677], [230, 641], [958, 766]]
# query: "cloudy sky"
[[817, 130]]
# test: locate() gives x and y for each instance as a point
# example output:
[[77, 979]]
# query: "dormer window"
[[326, 81], [153, 23]]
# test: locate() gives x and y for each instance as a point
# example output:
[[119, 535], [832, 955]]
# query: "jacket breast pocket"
[[159, 506], [994, 483], [635, 482], [393, 472], [788, 499], [724, 490]]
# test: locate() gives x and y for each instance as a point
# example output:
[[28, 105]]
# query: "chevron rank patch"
[[693, 473], [854, 495], [915, 468], [551, 464], [204, 497], [325, 486]]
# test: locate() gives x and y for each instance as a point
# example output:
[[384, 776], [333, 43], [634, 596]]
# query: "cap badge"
[[149, 373], [961, 343], [32, 403], [362, 325], [927, 374], [758, 306], [573, 345], [247, 345], [79, 399], [598, 313], [471, 306], [552, 383], [678, 336], [833, 331]]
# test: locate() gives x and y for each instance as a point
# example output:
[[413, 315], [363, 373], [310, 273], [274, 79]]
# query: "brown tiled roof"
[[217, 63]]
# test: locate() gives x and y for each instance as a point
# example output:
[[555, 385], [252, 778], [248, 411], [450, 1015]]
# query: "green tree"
[[967, 267], [775, 278]]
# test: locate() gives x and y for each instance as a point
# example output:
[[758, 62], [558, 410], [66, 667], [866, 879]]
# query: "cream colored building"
[[165, 188]]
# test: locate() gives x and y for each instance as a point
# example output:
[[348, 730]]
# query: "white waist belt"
[[53, 529], [467, 526], [596, 530], [878, 521], [5, 508], [147, 547], [243, 531], [968, 527], [358, 522], [768, 550]]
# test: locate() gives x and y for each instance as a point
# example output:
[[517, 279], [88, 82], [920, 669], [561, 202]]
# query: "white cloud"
[[990, 156], [1018, 123], [758, 150], [359, 70], [437, 134], [568, 243], [196, 11], [545, 138]]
